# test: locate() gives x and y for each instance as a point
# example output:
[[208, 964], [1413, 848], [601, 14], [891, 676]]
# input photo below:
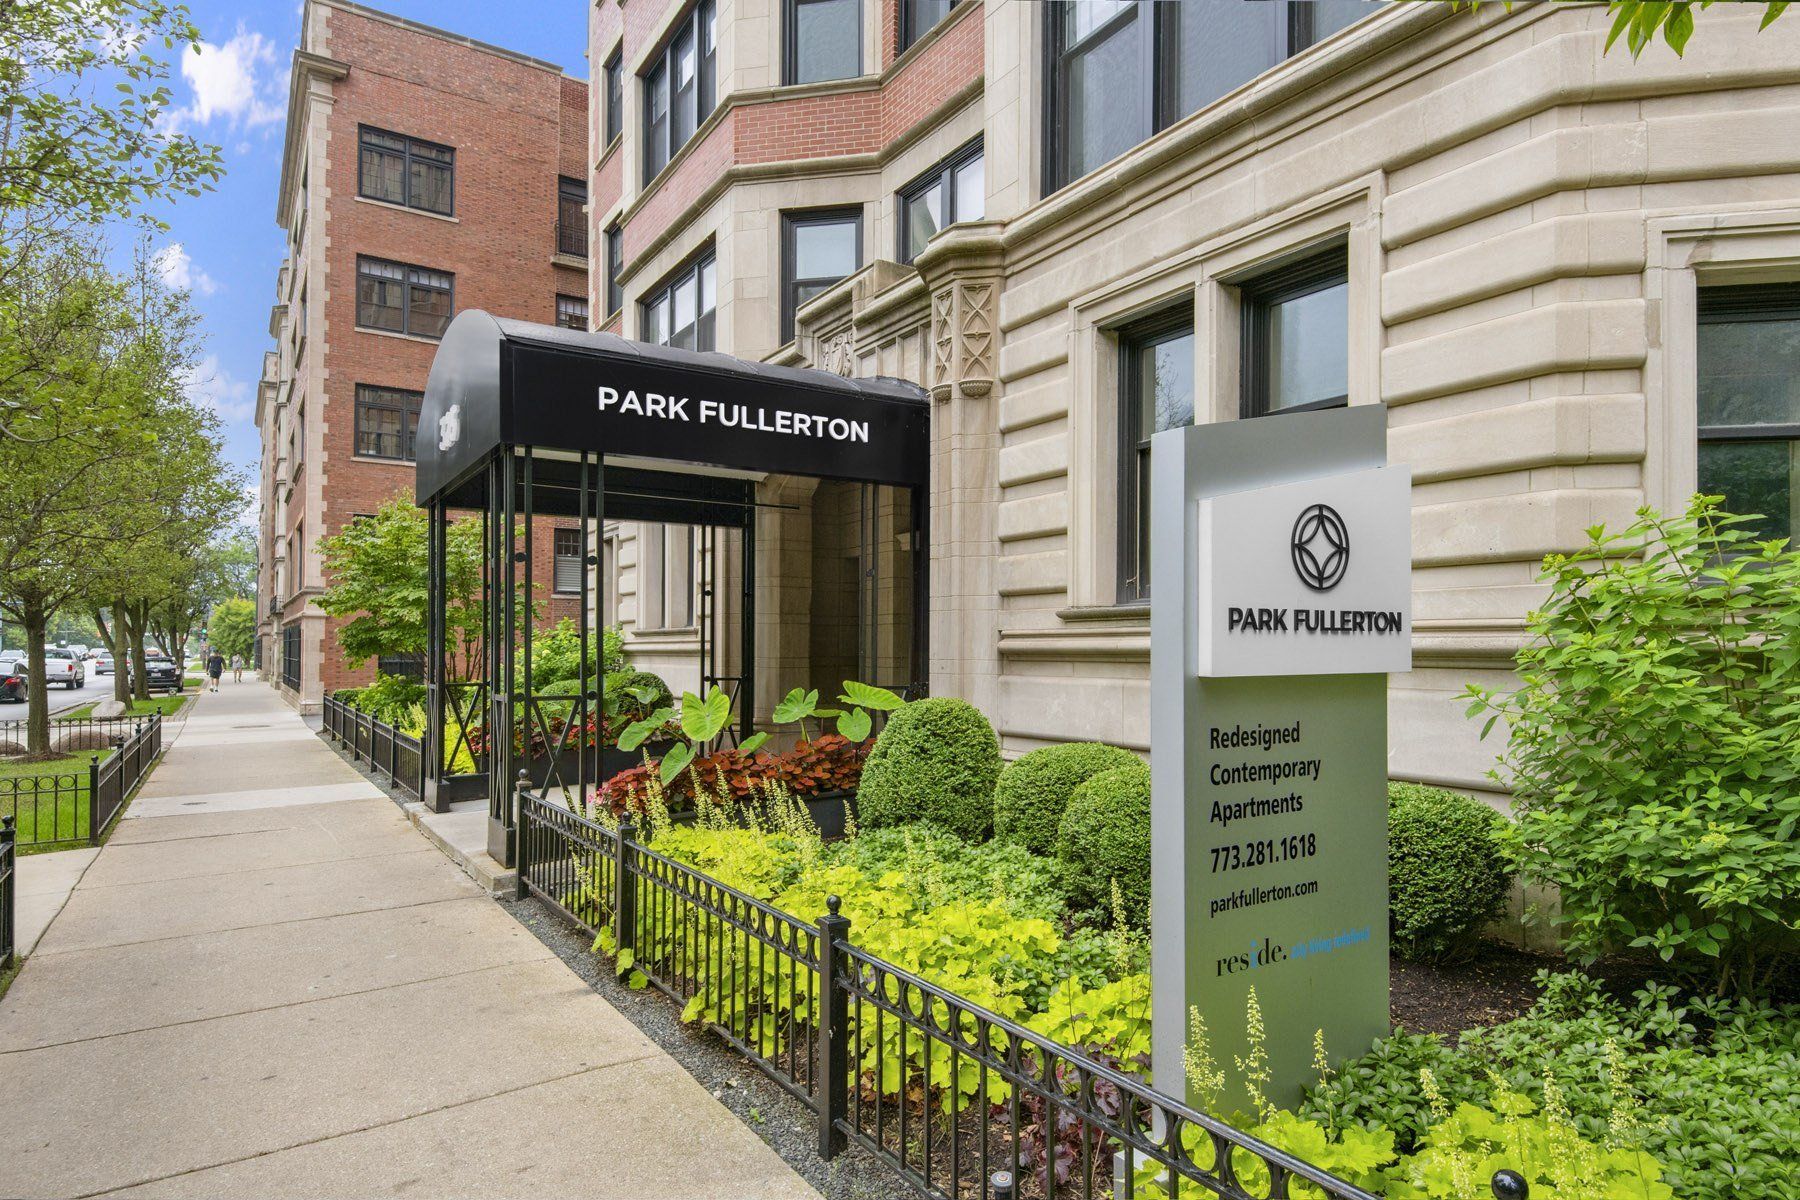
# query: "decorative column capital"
[[962, 270]]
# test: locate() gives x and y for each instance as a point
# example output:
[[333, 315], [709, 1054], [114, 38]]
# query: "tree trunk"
[[114, 637], [135, 617], [37, 693]]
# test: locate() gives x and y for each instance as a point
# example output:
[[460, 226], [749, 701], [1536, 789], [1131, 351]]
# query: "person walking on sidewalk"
[[215, 667], [237, 668]]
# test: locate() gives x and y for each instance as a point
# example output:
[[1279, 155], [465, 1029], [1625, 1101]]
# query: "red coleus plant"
[[828, 763]]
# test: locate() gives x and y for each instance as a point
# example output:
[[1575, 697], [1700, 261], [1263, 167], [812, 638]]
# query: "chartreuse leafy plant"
[[1707, 1083], [1651, 744]]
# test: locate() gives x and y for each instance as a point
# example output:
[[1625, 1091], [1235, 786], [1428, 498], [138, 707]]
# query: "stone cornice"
[[308, 68]]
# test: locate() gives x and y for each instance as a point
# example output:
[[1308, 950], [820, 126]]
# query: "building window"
[[824, 40], [1119, 70], [566, 572], [572, 312], [407, 171], [681, 311], [954, 190], [918, 17], [401, 666], [818, 249], [571, 217], [1296, 337], [387, 422], [1156, 389], [398, 298], [615, 267], [615, 95], [678, 89], [290, 656], [1748, 346]]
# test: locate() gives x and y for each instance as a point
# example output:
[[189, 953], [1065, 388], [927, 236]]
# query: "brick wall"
[[516, 126]]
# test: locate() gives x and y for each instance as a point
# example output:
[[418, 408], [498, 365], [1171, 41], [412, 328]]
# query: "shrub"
[[389, 698], [612, 649], [1105, 837], [1703, 1080], [937, 760], [937, 867], [1447, 870], [1651, 746], [621, 680], [1034, 791]]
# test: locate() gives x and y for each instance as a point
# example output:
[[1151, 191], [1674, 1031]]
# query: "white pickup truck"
[[64, 667]]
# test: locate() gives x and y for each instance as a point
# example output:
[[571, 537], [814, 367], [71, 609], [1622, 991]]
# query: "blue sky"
[[224, 246]]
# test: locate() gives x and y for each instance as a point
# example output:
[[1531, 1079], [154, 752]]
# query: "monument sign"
[[1281, 598]]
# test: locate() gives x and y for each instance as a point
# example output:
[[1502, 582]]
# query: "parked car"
[[64, 667], [161, 674], [101, 662], [78, 649], [12, 680]]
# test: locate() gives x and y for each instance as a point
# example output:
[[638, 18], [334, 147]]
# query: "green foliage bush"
[[1651, 746], [634, 708], [1448, 873], [1034, 790], [389, 699], [1712, 1079], [937, 761], [1104, 839]]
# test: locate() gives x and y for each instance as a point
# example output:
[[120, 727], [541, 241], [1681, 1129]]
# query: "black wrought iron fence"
[[9, 915], [78, 803], [961, 1101], [390, 751]]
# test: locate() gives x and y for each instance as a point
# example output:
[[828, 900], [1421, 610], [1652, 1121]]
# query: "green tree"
[[377, 566], [1639, 21], [232, 627], [85, 108]]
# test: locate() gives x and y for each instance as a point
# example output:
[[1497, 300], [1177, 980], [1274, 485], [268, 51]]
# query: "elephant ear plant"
[[853, 721], [701, 720]]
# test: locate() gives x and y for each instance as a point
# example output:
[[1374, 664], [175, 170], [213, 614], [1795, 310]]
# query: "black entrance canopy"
[[497, 382], [521, 421]]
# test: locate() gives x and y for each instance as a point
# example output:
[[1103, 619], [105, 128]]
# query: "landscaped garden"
[[1652, 753]]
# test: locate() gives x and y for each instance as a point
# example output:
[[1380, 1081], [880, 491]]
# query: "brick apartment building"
[[423, 173], [1566, 275]]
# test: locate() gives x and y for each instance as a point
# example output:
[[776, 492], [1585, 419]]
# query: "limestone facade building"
[[422, 173], [1572, 279]]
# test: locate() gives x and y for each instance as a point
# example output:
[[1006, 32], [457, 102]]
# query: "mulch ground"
[[1491, 987]]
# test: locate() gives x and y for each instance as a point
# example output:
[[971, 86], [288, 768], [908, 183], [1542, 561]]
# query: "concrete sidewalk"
[[269, 984]]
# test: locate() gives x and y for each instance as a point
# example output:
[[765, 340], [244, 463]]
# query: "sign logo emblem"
[[450, 428], [1321, 547]]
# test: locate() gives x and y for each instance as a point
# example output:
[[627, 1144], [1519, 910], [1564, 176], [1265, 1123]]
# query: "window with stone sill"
[[919, 17], [679, 88], [1296, 337], [823, 40], [682, 310], [566, 568], [572, 312], [398, 298], [1748, 402], [1156, 391], [407, 171], [819, 248], [1118, 71], [387, 422], [953, 190]]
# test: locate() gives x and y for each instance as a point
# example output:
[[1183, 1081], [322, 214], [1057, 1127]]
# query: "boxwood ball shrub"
[[1448, 873], [1105, 836], [938, 761], [1034, 790]]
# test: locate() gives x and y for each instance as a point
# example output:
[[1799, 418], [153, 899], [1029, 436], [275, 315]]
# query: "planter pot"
[[826, 810], [612, 761]]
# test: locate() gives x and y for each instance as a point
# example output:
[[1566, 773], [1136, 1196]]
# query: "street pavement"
[[269, 984]]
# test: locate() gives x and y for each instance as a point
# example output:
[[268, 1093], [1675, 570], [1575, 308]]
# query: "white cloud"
[[211, 386], [176, 267], [238, 82]]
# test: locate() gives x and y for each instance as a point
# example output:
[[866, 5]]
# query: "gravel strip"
[[788, 1126]]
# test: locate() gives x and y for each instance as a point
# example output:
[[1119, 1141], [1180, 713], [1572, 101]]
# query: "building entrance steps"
[[269, 983]]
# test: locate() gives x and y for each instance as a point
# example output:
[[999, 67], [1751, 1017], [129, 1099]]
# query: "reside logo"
[[1258, 955]]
